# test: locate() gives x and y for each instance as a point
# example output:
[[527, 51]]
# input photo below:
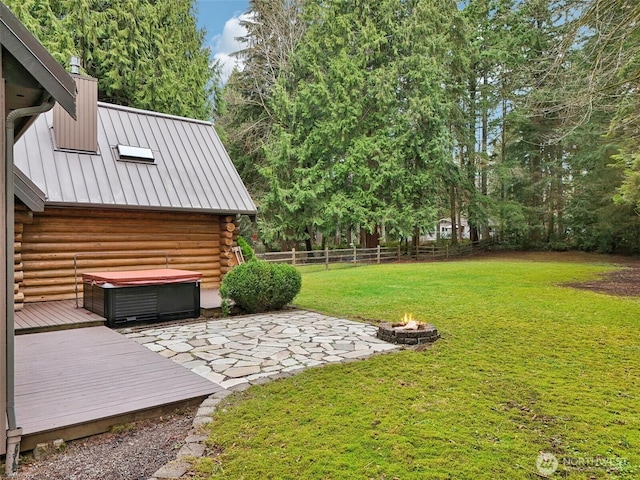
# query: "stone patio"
[[240, 351]]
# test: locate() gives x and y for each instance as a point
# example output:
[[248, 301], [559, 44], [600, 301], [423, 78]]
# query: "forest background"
[[366, 121]]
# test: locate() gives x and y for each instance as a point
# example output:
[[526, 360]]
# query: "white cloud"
[[225, 44]]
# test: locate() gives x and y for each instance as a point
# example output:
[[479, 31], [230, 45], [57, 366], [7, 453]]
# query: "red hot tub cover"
[[141, 277]]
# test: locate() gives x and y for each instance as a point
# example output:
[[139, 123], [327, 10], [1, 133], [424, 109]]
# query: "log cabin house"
[[117, 189]]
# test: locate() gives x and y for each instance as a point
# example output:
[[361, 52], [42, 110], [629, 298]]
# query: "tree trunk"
[[308, 241], [485, 157], [452, 211], [370, 240], [473, 234]]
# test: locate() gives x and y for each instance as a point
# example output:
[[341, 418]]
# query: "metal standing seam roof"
[[192, 170]]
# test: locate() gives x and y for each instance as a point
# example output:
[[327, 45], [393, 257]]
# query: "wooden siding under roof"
[[192, 241], [192, 170]]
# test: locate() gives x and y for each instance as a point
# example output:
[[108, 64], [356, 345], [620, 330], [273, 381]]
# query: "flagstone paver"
[[239, 351]]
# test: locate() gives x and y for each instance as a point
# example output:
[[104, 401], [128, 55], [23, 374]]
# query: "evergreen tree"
[[534, 191], [358, 115], [42, 20], [362, 136], [246, 119], [145, 53], [613, 47]]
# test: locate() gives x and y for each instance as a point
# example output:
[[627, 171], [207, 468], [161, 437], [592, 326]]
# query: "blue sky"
[[220, 19]]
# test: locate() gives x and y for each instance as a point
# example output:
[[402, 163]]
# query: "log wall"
[[229, 231], [22, 216], [48, 244]]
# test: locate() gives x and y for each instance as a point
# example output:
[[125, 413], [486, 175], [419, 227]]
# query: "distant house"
[[120, 189], [443, 230], [445, 227]]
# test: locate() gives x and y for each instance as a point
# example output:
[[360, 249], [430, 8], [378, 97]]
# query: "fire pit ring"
[[397, 333]]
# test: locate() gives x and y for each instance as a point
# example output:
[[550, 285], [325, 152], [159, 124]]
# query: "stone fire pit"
[[408, 332]]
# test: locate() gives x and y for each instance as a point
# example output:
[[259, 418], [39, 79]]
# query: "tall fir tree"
[[362, 134], [245, 122], [145, 53]]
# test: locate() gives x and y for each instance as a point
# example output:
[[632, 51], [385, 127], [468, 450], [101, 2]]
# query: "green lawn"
[[524, 366]]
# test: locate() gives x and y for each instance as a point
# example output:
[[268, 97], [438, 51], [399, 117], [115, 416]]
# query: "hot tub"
[[142, 295]]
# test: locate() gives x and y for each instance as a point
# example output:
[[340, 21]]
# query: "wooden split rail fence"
[[360, 256]]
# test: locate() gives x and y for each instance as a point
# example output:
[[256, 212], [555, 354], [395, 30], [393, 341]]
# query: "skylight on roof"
[[135, 154]]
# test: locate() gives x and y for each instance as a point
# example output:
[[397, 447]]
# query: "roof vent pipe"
[[74, 62]]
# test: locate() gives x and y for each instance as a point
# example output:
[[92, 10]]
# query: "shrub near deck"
[[258, 286], [523, 366]]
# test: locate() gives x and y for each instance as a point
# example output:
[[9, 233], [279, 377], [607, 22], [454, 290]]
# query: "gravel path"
[[134, 453]]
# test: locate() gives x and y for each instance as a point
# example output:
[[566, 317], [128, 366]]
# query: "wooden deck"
[[46, 316], [79, 382], [63, 314]]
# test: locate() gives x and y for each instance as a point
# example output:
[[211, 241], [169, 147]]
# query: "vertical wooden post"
[[293, 256], [378, 253], [447, 251], [354, 256], [326, 258], [398, 251], [3, 257]]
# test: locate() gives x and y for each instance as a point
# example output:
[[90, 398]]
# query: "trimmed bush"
[[259, 286], [247, 251]]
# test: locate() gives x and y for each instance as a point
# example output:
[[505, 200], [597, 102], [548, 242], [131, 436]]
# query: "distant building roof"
[[190, 169]]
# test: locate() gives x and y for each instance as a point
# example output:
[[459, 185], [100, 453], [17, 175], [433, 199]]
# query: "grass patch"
[[524, 365]]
